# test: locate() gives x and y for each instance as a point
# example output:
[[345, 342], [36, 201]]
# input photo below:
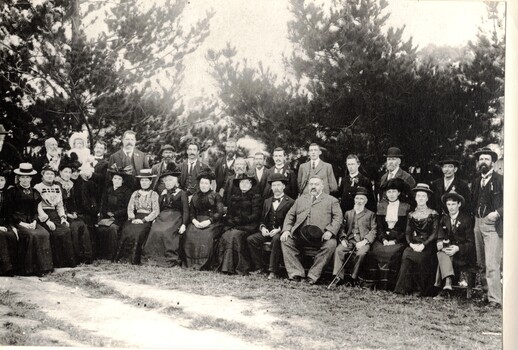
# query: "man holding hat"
[[360, 224], [167, 154], [272, 218], [190, 169], [488, 198], [455, 246], [449, 183], [313, 220], [394, 156]]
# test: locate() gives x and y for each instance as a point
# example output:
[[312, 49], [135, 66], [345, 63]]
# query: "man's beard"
[[358, 207], [483, 168], [230, 154]]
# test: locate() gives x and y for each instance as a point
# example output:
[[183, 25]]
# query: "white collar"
[[394, 172], [488, 175], [353, 175], [454, 217]]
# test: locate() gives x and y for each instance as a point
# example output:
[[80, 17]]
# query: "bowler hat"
[[171, 170], [361, 191], [394, 152], [487, 150], [206, 174], [278, 177], [311, 234], [449, 160], [25, 169], [145, 174], [452, 195], [240, 177], [166, 148], [421, 187]]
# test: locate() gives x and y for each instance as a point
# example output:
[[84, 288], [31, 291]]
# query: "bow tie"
[[277, 200]]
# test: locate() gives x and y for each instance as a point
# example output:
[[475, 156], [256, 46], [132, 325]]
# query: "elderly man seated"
[[314, 220]]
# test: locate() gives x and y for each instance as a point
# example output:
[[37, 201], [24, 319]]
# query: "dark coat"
[[116, 202], [22, 208], [461, 236], [457, 185], [158, 183], [206, 204], [406, 195], [496, 187], [281, 212], [398, 232], [260, 187], [184, 168], [138, 162], [347, 191], [99, 176], [244, 211], [366, 220], [223, 172], [291, 187], [176, 201]]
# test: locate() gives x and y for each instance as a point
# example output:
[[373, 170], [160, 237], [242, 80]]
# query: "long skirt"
[[199, 245], [34, 252], [163, 243], [133, 237], [61, 242], [233, 255], [81, 241], [382, 265], [417, 272], [8, 249], [107, 241]]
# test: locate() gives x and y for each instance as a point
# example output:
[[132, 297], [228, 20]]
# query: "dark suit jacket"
[[461, 236], [496, 187], [403, 175], [139, 162], [261, 184], [99, 176], [324, 212], [184, 168], [347, 192], [291, 187], [366, 225], [222, 172], [457, 185], [324, 170], [282, 210], [38, 164]]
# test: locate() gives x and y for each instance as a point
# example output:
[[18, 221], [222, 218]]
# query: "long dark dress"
[[86, 192], [78, 228], [143, 205], [417, 271], [115, 202], [199, 242], [61, 237], [163, 243], [244, 212], [382, 261], [8, 239], [34, 254]]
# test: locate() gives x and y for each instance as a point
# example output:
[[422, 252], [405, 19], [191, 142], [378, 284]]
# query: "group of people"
[[63, 210]]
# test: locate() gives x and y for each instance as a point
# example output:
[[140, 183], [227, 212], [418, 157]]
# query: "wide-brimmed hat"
[[171, 170], [71, 162], [486, 150], [278, 177], [240, 177], [449, 160], [78, 135], [206, 174], [311, 235], [421, 187], [167, 148], [123, 172], [393, 152], [453, 195], [145, 174], [25, 169], [395, 183], [361, 191]]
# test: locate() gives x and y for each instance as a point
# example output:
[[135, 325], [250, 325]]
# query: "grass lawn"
[[312, 316]]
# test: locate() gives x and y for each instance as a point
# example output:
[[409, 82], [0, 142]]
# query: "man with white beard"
[[51, 157]]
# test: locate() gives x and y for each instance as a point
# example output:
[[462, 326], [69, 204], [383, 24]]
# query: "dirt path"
[[135, 325]]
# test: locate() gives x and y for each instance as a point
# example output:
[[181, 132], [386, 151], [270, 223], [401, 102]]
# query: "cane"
[[339, 271]]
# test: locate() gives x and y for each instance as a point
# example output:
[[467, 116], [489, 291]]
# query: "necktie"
[[390, 176], [277, 200], [312, 165], [484, 180], [313, 199], [190, 168]]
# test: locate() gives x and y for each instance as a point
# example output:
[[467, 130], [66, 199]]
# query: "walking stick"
[[339, 271]]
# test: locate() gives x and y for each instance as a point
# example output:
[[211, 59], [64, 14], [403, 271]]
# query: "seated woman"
[[78, 228], [163, 244], [52, 215], [8, 240], [206, 215], [34, 254], [419, 261], [244, 212], [383, 260], [113, 214], [143, 208]]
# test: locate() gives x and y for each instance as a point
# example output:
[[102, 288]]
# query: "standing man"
[[488, 198], [314, 220], [129, 158], [350, 183], [272, 219], [240, 168], [449, 183], [394, 156], [100, 167], [190, 169], [225, 166], [167, 155], [52, 157], [316, 167], [260, 174], [280, 167]]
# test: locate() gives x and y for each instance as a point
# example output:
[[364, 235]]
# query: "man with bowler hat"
[[488, 198], [394, 156], [313, 220], [274, 212], [167, 155], [450, 182]]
